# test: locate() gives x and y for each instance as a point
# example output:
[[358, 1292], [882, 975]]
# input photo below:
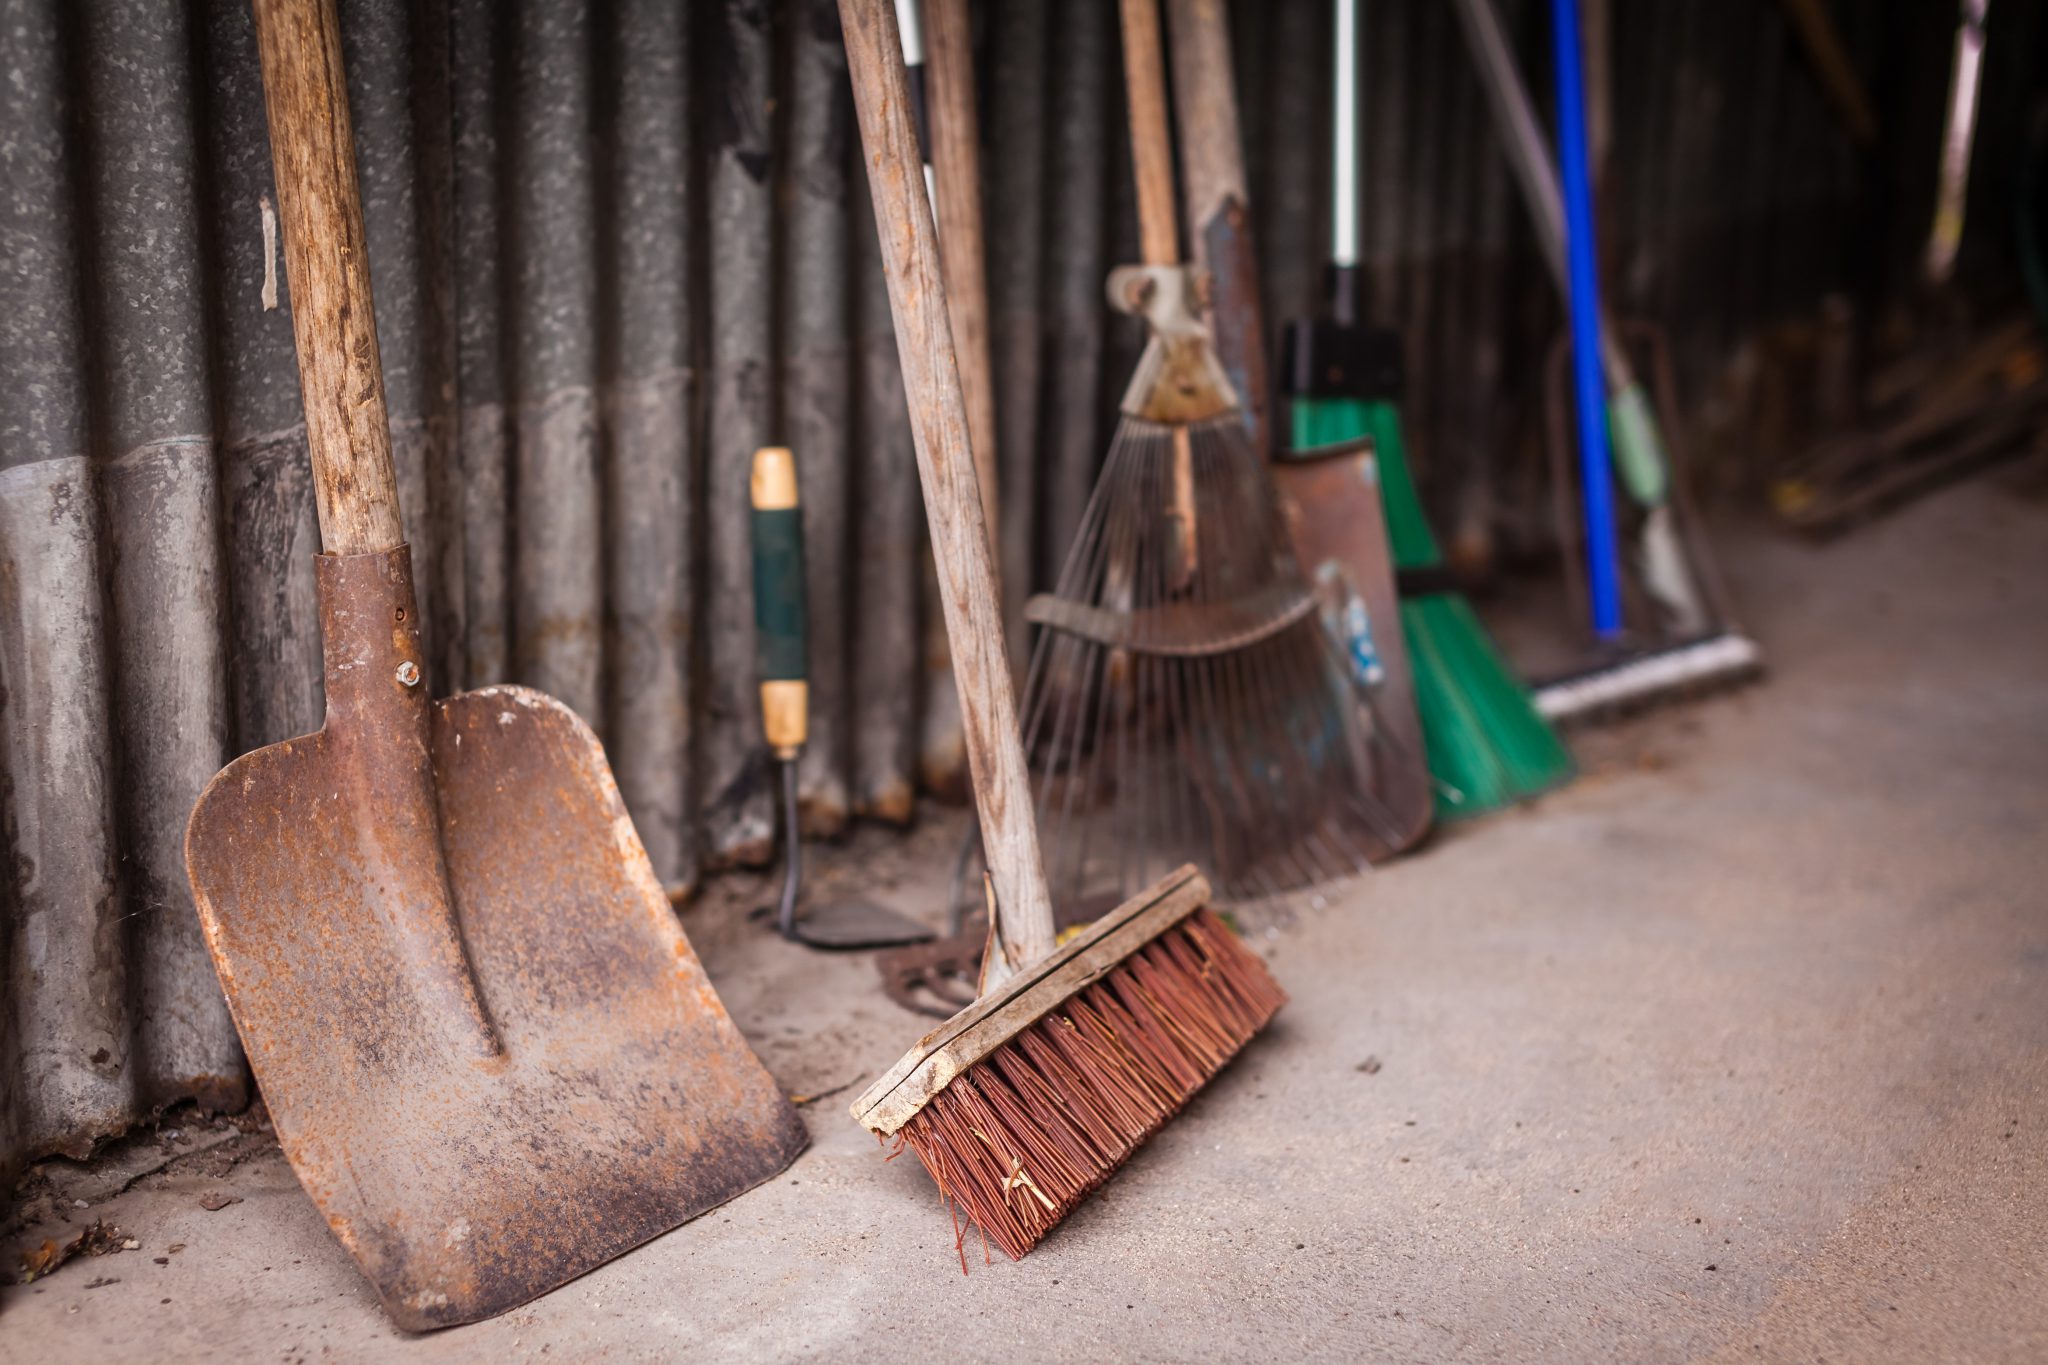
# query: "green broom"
[[1487, 745]]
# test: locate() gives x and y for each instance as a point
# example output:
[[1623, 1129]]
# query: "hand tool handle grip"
[[327, 267], [952, 497], [1151, 149], [780, 653]]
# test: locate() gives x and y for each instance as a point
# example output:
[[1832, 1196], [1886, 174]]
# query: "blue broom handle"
[[1603, 571]]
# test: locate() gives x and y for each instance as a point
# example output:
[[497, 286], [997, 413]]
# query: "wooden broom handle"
[[952, 500], [1151, 148], [955, 131], [327, 266]]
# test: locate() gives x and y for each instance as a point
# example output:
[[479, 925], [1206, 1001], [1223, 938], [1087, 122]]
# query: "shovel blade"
[[492, 1058]]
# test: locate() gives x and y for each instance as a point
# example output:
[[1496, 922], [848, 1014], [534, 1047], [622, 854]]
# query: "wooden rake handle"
[[327, 265], [952, 498], [1159, 239], [1151, 147]]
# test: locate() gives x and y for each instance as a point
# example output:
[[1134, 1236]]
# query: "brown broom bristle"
[[1021, 1137]]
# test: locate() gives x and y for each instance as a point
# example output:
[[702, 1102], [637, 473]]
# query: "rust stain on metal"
[[1338, 531], [492, 1058], [1226, 243]]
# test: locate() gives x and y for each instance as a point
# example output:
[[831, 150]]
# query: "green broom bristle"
[[1488, 746]]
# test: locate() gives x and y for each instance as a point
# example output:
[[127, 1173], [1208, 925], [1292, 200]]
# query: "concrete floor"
[[1737, 1048]]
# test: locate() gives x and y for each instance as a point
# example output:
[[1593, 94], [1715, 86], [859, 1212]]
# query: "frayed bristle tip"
[[1022, 1136]]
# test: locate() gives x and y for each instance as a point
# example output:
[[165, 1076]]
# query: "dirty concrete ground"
[[1737, 1048]]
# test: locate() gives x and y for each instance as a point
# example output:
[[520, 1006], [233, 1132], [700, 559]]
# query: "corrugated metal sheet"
[[616, 245]]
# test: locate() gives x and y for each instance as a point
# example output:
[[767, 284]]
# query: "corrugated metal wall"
[[617, 245]]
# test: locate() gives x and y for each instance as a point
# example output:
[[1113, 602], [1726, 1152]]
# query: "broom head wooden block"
[[1025, 1101]]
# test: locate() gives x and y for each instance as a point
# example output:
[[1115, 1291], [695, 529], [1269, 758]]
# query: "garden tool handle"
[[780, 652], [953, 140], [1151, 149], [327, 267], [1159, 238], [1217, 200], [952, 498], [1638, 447], [1212, 174]]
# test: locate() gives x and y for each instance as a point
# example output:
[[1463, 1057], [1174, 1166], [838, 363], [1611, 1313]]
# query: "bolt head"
[[409, 673]]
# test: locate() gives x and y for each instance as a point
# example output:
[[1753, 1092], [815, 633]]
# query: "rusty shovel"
[[493, 1059]]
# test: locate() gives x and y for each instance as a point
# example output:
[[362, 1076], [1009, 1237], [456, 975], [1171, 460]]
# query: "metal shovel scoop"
[[493, 1060], [784, 665]]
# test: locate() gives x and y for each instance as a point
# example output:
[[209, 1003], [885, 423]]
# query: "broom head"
[[1025, 1101]]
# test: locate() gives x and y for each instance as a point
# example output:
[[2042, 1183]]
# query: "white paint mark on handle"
[[269, 211]]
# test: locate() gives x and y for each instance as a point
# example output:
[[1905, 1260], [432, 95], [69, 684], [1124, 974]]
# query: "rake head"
[[1184, 701]]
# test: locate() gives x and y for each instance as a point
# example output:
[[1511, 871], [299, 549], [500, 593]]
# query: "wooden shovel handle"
[[945, 466], [327, 266], [1151, 148]]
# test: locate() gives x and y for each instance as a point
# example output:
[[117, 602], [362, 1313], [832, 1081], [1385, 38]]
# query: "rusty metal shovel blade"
[[492, 1057]]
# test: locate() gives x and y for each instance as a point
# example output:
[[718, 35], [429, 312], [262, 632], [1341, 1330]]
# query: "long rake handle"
[[952, 497], [1151, 149], [327, 265], [1158, 235]]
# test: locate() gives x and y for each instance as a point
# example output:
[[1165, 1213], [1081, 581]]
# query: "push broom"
[[1615, 415], [1024, 1102], [1487, 745]]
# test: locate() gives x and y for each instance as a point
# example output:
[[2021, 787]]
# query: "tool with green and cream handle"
[[779, 606], [783, 665]]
